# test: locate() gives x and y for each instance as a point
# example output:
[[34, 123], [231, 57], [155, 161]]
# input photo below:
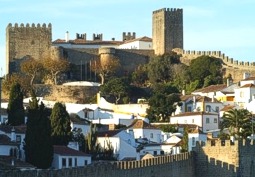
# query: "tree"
[[55, 67], [105, 69], [38, 144], [159, 68], [15, 110], [117, 87], [60, 124], [140, 75], [238, 121], [206, 67], [14, 78], [162, 103], [31, 67], [185, 140], [78, 136]]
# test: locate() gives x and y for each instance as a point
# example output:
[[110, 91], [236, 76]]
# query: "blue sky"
[[221, 25]]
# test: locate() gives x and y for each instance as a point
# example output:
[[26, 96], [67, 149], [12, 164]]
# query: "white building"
[[208, 121], [195, 136], [122, 141], [143, 43], [65, 157], [143, 129]]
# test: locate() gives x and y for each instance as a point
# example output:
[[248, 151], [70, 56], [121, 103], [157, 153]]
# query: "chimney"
[[67, 37], [13, 134]]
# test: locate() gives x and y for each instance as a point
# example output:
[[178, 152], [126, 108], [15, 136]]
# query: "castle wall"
[[234, 67], [22, 41], [224, 158], [180, 165]]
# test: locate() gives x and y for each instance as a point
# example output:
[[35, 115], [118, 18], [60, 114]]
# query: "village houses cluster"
[[200, 111]]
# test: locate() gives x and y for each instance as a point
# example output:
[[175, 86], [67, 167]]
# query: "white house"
[[208, 121], [143, 129], [244, 95], [65, 157], [193, 137], [144, 43], [122, 141], [197, 103], [17, 135], [8, 146]]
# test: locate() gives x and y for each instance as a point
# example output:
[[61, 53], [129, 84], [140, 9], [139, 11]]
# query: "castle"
[[23, 41], [221, 158]]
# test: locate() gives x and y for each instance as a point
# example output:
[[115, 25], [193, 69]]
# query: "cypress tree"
[[38, 144], [15, 108], [60, 123]]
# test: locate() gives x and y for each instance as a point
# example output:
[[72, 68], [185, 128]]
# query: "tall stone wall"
[[167, 30], [230, 66], [225, 159], [165, 166], [26, 40]]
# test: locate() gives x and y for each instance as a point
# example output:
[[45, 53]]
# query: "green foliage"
[[78, 136], [126, 100], [60, 123], [206, 70], [140, 76], [239, 122], [90, 141], [38, 144], [185, 140], [159, 68], [168, 128], [15, 110], [117, 87], [162, 103]]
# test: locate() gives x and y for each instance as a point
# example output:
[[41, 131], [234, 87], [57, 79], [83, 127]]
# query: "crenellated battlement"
[[168, 10], [22, 25], [128, 36], [189, 55]]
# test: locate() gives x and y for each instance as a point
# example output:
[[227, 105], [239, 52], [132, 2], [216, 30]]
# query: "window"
[[185, 121], [207, 120], [215, 120], [70, 162], [208, 108], [193, 141], [63, 162], [193, 121], [18, 138], [241, 94], [189, 109], [85, 162], [75, 162], [162, 152], [151, 135], [217, 109], [154, 152]]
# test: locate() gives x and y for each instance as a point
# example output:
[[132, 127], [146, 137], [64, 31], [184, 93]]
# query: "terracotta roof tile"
[[249, 78], [193, 113], [226, 108], [248, 86], [140, 124], [5, 140], [109, 133], [212, 88], [21, 129], [87, 42], [66, 151]]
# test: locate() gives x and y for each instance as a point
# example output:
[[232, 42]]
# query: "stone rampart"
[[234, 67], [180, 165], [225, 158]]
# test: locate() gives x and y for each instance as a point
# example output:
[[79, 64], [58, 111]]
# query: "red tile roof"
[[109, 133], [249, 78], [140, 124], [248, 86], [21, 129], [6, 162], [87, 42], [5, 140], [66, 151], [193, 113], [212, 88], [199, 98]]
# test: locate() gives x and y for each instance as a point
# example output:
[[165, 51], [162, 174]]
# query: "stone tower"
[[23, 41], [167, 30]]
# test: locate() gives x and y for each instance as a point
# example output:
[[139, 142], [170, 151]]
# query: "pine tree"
[[15, 108], [38, 144], [60, 123]]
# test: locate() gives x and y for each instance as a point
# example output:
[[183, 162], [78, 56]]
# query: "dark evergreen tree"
[[60, 123], [15, 110], [38, 144]]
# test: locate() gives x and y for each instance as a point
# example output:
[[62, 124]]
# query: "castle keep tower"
[[23, 41], [167, 30]]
